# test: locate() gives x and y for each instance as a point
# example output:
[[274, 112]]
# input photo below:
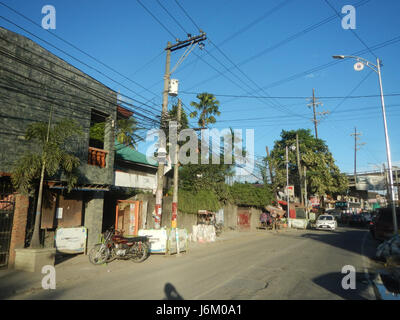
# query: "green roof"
[[122, 152]]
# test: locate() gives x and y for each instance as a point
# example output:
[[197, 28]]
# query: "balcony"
[[97, 157]]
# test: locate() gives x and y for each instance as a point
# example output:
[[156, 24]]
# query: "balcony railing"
[[97, 157]]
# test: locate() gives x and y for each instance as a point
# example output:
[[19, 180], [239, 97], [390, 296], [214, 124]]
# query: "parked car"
[[356, 220], [326, 222], [381, 226]]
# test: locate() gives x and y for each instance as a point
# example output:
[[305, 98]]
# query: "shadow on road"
[[333, 283], [12, 281], [171, 293], [349, 239]]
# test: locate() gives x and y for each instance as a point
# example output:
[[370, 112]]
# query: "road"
[[293, 264]]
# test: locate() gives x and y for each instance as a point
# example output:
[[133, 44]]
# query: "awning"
[[275, 210]]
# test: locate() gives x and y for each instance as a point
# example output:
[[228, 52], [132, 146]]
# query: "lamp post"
[[359, 65]]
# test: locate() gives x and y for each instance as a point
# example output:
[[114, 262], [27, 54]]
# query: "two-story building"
[[32, 82]]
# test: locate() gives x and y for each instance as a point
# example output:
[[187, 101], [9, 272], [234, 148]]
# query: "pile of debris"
[[203, 233], [389, 250]]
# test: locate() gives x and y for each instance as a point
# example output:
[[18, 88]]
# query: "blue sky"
[[269, 52]]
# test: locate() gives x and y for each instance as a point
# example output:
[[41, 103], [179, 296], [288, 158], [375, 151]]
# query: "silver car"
[[326, 222]]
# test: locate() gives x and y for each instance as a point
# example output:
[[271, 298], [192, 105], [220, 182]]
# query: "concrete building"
[[34, 81]]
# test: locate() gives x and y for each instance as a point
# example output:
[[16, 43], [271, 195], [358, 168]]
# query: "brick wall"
[[19, 226]]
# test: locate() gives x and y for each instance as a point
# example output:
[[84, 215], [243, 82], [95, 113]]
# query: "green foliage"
[[206, 109], [96, 131], [247, 194], [125, 132], [173, 115], [323, 175], [191, 202], [53, 153]]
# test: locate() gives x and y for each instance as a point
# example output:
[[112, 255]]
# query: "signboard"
[[182, 240], [370, 182], [290, 191], [71, 240], [162, 239], [157, 238]]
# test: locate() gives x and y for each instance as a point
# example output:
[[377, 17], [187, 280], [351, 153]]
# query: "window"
[[97, 129], [327, 218]]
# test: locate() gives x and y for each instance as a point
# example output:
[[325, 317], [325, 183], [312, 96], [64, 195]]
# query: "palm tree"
[[52, 156], [126, 132], [207, 108]]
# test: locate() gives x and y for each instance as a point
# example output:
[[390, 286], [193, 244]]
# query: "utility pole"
[[314, 103], [176, 168], [162, 144], [305, 189], [299, 168], [356, 145], [269, 166], [287, 182]]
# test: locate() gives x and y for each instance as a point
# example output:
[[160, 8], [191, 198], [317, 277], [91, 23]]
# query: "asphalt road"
[[293, 264]]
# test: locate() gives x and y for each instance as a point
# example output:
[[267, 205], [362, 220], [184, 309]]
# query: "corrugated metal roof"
[[122, 152]]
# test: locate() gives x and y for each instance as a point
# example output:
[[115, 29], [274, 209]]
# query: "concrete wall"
[[93, 217], [230, 217], [255, 218], [186, 220], [38, 80]]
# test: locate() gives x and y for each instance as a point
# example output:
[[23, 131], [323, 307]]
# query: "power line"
[[80, 61], [352, 30], [187, 15], [279, 106], [292, 97], [52, 73], [283, 42], [81, 75]]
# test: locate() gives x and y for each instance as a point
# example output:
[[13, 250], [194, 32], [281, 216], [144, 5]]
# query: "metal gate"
[[6, 223], [243, 217]]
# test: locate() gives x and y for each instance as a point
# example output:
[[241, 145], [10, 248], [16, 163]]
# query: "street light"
[[361, 62]]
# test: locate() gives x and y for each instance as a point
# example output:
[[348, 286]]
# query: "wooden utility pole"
[[299, 168], [176, 170], [305, 189], [314, 103], [162, 142], [162, 151], [269, 166], [356, 145]]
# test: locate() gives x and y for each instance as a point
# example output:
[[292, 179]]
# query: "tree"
[[323, 175], [125, 132], [53, 155], [248, 194], [207, 109]]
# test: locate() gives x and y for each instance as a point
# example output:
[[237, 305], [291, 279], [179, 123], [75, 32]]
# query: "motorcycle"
[[116, 246]]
